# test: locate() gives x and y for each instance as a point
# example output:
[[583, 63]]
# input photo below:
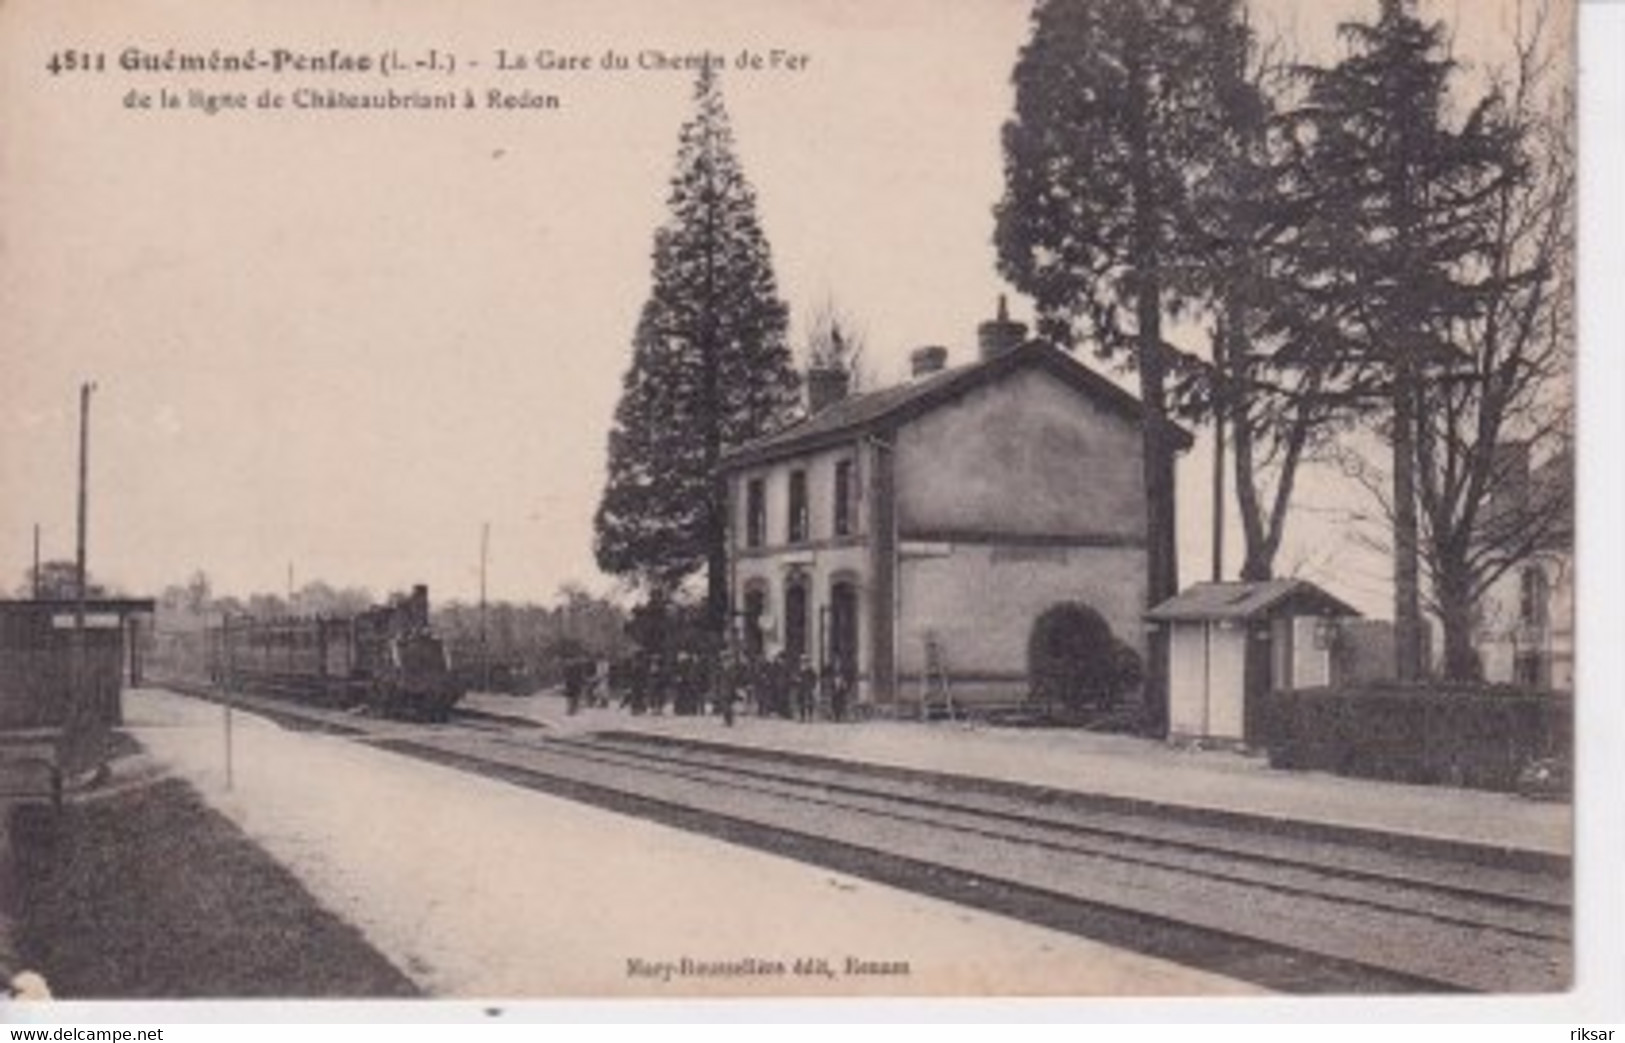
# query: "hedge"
[[1484, 737]]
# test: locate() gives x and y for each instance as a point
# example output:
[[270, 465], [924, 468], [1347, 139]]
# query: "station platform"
[[1117, 766], [299, 794]]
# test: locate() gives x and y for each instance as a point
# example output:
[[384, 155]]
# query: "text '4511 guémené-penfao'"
[[219, 60]]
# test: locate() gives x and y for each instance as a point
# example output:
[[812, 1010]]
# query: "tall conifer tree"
[[1118, 116], [1398, 245], [711, 369]]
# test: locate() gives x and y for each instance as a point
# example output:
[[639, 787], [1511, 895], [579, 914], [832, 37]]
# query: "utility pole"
[[1218, 500], [1221, 415], [76, 648], [36, 562], [84, 498], [485, 651]]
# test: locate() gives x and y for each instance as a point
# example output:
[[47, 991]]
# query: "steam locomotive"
[[386, 659]]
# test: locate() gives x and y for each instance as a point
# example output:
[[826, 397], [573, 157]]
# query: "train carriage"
[[386, 659]]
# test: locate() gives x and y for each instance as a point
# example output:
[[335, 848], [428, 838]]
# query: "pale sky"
[[344, 341]]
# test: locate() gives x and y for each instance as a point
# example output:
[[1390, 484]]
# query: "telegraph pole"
[[36, 562], [1221, 414], [76, 648], [84, 499], [1218, 499], [485, 650]]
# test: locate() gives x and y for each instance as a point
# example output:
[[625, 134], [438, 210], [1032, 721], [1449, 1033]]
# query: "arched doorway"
[[754, 609], [795, 618], [843, 628]]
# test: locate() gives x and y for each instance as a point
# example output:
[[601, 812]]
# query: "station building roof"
[[868, 411]]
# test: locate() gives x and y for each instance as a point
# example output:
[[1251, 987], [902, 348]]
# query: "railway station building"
[[912, 536]]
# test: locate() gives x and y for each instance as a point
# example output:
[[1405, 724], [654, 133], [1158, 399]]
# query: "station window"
[[798, 507], [843, 498], [755, 513]]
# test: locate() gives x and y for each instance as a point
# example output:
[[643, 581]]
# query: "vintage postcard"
[[810, 501]]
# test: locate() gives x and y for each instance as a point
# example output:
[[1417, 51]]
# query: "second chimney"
[[927, 360]]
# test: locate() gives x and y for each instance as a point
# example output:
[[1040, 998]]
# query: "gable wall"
[[1027, 455]]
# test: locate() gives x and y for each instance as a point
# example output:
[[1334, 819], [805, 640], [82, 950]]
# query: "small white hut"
[[1231, 643]]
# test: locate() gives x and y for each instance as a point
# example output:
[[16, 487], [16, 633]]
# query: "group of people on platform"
[[786, 686], [727, 683]]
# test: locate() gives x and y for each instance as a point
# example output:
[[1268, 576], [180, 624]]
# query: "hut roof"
[[1205, 601]]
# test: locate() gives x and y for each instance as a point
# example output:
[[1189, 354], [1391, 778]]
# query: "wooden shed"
[[46, 727], [1231, 643]]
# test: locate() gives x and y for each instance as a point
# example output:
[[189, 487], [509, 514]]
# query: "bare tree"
[[836, 341], [1405, 196], [1507, 405], [1494, 433]]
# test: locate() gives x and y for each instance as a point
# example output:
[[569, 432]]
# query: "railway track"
[[1292, 908]]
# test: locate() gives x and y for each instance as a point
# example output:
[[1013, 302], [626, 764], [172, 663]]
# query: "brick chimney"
[[927, 360], [826, 385], [997, 336]]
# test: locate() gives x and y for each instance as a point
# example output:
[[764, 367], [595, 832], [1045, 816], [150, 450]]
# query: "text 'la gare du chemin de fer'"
[[279, 60]]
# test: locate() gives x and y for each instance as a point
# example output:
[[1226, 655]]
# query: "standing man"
[[805, 689]]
